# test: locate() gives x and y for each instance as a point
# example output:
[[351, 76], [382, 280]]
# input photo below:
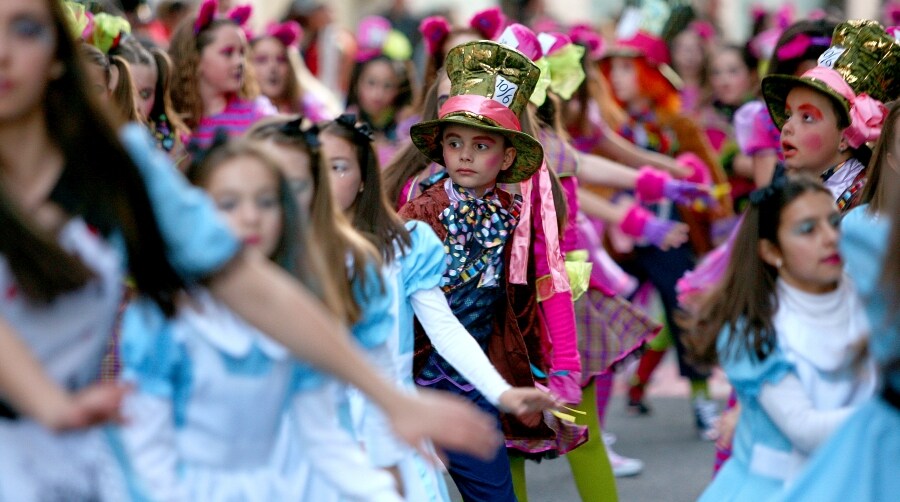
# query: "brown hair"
[[410, 161], [877, 193], [102, 185], [746, 300], [890, 274], [334, 235], [405, 92], [292, 94], [373, 215], [594, 88], [185, 50], [162, 105], [122, 94]]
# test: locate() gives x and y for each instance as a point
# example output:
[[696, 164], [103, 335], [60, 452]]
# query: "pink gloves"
[[565, 360], [653, 184], [641, 223]]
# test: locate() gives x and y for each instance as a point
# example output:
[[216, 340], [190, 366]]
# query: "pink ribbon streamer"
[[518, 273]]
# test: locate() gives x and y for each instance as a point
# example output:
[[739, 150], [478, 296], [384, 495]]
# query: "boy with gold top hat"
[[854, 78], [479, 139]]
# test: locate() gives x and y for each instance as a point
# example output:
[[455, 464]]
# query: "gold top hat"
[[865, 56], [503, 78]]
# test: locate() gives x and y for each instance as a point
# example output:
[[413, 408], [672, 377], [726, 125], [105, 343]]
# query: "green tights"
[[589, 463]]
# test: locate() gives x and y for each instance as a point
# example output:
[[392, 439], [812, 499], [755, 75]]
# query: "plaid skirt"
[[569, 436], [611, 331]]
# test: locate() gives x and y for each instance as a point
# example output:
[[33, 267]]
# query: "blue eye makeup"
[[32, 29]]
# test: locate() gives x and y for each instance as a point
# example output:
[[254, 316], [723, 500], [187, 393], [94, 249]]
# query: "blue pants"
[[477, 480], [663, 269]]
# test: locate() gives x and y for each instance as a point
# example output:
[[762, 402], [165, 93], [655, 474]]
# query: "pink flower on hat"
[[522, 39]]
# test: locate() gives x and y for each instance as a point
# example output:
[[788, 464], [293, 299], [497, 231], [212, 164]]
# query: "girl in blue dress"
[[786, 328], [859, 462], [210, 391], [81, 208]]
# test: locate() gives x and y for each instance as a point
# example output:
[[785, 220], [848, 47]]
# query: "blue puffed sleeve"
[[198, 241], [376, 300], [424, 263], [863, 244], [151, 357], [748, 374]]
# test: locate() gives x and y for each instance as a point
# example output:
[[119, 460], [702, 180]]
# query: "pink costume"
[[238, 116], [611, 329]]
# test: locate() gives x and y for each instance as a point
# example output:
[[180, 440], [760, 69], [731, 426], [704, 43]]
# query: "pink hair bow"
[[704, 30], [488, 22], [797, 46], [434, 32], [288, 33], [866, 118], [584, 35]]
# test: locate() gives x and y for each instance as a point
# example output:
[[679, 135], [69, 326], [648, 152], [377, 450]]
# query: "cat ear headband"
[[435, 29], [207, 15]]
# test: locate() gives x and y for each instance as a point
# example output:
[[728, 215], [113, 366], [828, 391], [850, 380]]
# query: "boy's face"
[[810, 137], [474, 157]]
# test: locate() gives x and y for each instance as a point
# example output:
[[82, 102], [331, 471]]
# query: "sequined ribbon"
[[518, 273], [487, 222]]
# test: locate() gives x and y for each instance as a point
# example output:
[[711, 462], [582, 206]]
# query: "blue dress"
[[859, 462], [761, 453], [417, 267], [69, 336]]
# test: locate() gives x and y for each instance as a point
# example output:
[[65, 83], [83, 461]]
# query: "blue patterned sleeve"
[[747, 373], [424, 263], [198, 241], [151, 357], [376, 300]]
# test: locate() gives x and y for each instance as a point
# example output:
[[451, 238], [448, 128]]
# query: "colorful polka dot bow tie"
[[477, 229]]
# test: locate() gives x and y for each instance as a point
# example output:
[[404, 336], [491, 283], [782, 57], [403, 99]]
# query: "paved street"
[[677, 464]]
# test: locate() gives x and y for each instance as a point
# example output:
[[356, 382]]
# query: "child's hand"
[[98, 404], [449, 421], [686, 192], [665, 234], [522, 400], [727, 423]]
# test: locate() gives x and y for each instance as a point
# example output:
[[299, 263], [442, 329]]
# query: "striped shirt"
[[235, 119]]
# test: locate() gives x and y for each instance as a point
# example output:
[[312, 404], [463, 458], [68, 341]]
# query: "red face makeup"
[[474, 158], [810, 137]]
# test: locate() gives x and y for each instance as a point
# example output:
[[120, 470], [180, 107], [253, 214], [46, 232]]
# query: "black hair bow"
[[362, 129]]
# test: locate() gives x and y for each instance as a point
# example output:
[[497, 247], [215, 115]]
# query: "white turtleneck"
[[819, 334]]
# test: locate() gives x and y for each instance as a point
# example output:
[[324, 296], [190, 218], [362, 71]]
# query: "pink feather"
[[489, 22], [206, 15], [434, 32]]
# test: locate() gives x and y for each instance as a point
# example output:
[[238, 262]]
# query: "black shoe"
[[637, 407]]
